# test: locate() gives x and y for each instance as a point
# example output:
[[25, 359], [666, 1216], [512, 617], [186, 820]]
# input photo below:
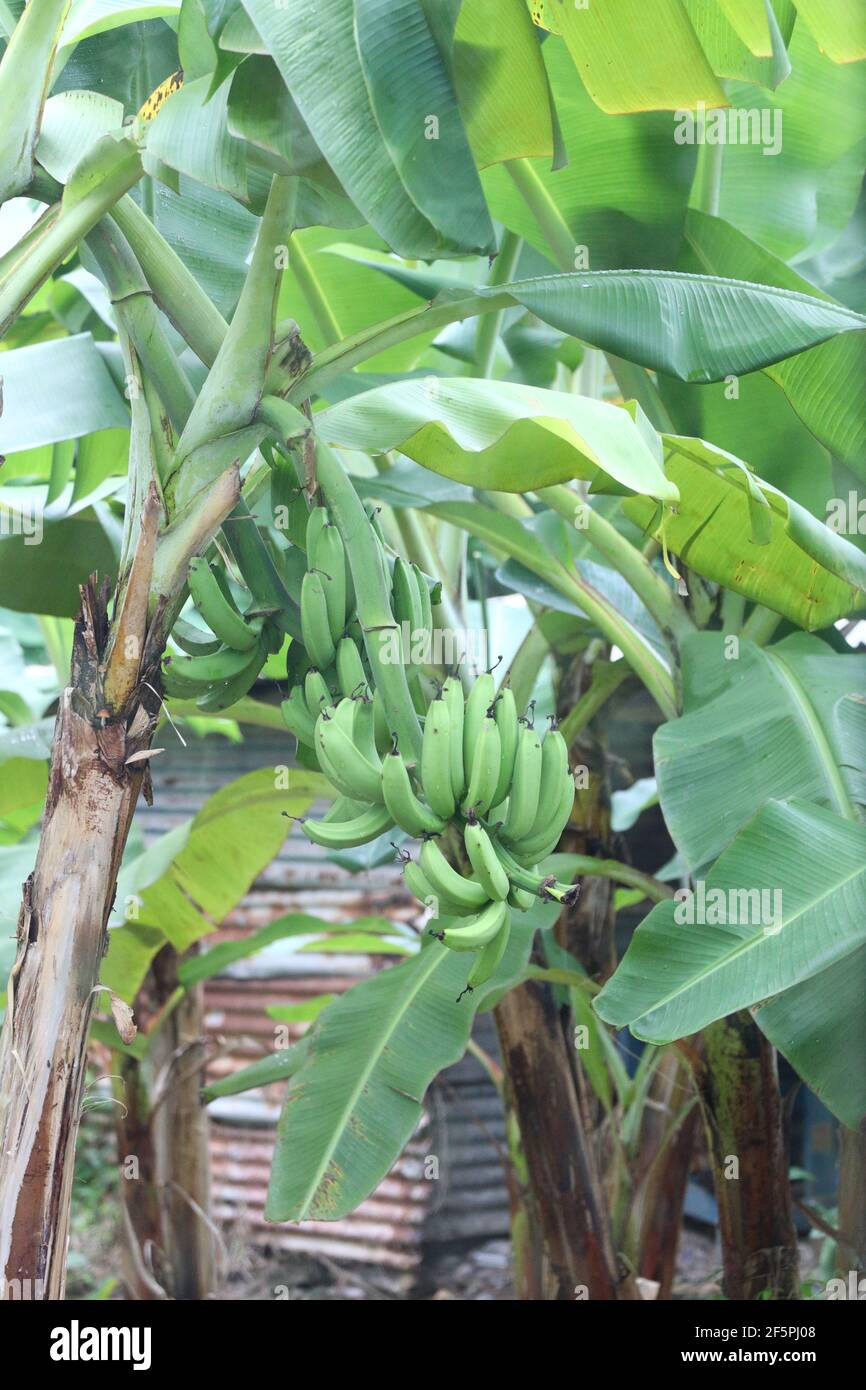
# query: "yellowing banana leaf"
[[763, 722], [505, 99], [190, 133], [837, 26], [500, 436], [182, 886], [638, 55], [742, 39], [739, 531], [749, 19], [625, 187], [784, 905]]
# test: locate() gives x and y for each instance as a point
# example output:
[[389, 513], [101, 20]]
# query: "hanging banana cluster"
[[217, 670], [331, 661], [485, 776]]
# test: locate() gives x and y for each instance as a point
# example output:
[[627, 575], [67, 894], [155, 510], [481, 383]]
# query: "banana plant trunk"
[[567, 1197], [62, 937], [852, 1200], [179, 1132], [738, 1088]]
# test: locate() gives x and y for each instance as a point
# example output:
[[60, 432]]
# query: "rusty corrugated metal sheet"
[[464, 1130]]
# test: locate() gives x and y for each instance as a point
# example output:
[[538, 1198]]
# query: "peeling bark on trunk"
[[739, 1091], [567, 1198], [62, 937]]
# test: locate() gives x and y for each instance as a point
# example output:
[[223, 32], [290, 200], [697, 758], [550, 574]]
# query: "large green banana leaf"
[[771, 722], [795, 201], [500, 435], [694, 327], [797, 874], [624, 190], [60, 389], [823, 385], [820, 1026], [737, 530], [358, 1098], [416, 108], [317, 54]]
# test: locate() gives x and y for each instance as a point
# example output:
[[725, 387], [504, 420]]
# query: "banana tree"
[[279, 173]]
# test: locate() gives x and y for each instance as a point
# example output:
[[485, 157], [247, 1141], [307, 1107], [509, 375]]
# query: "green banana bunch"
[[483, 772]]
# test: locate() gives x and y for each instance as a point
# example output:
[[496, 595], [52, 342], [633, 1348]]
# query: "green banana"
[[297, 717], [344, 713], [350, 668], [365, 730], [259, 571], [477, 704], [408, 811], [452, 694], [485, 861], [505, 714], [417, 884], [348, 833], [555, 806], [178, 687], [220, 614], [330, 560], [543, 886], [447, 881], [316, 692], [351, 773], [210, 670], [380, 721], [426, 611], [223, 694], [316, 523], [525, 785], [315, 627], [436, 759], [485, 765], [194, 640], [490, 956], [519, 898], [475, 933]]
